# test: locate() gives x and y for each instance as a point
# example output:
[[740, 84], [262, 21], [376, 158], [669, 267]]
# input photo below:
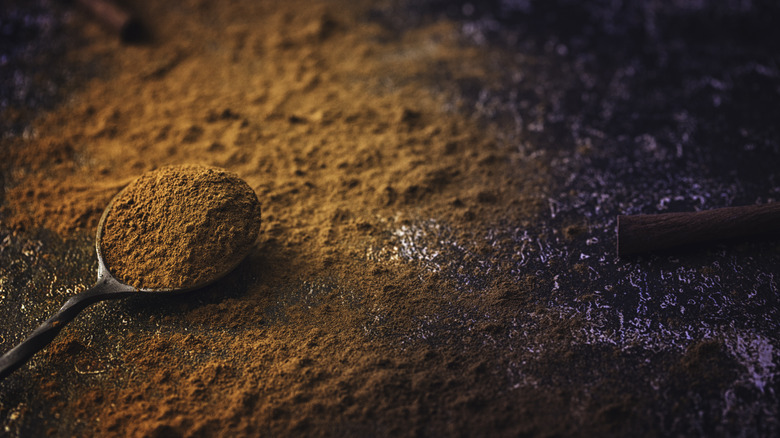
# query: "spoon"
[[107, 287]]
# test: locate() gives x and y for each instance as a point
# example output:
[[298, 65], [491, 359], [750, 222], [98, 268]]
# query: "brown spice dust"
[[338, 124], [179, 227], [361, 131]]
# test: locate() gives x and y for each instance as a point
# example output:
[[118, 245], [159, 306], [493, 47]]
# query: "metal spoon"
[[106, 288]]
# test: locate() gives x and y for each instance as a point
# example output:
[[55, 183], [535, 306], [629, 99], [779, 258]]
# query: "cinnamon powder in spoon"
[[179, 227]]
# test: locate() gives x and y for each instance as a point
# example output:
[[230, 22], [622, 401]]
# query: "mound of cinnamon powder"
[[179, 227]]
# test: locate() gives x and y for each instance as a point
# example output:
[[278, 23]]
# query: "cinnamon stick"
[[127, 26], [652, 232]]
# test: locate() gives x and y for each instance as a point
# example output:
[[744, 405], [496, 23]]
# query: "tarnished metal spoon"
[[106, 288]]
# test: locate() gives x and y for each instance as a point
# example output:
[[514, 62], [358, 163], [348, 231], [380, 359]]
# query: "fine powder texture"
[[423, 268], [180, 227]]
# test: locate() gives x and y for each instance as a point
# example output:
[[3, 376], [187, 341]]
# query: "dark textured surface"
[[638, 107], [33, 72]]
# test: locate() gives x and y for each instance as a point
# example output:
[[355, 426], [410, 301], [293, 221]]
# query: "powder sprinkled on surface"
[[436, 256], [179, 227]]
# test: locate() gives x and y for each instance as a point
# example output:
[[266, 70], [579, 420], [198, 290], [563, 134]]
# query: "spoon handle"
[[46, 332]]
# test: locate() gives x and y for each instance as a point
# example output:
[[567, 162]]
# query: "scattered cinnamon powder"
[[180, 227], [337, 122], [360, 314]]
